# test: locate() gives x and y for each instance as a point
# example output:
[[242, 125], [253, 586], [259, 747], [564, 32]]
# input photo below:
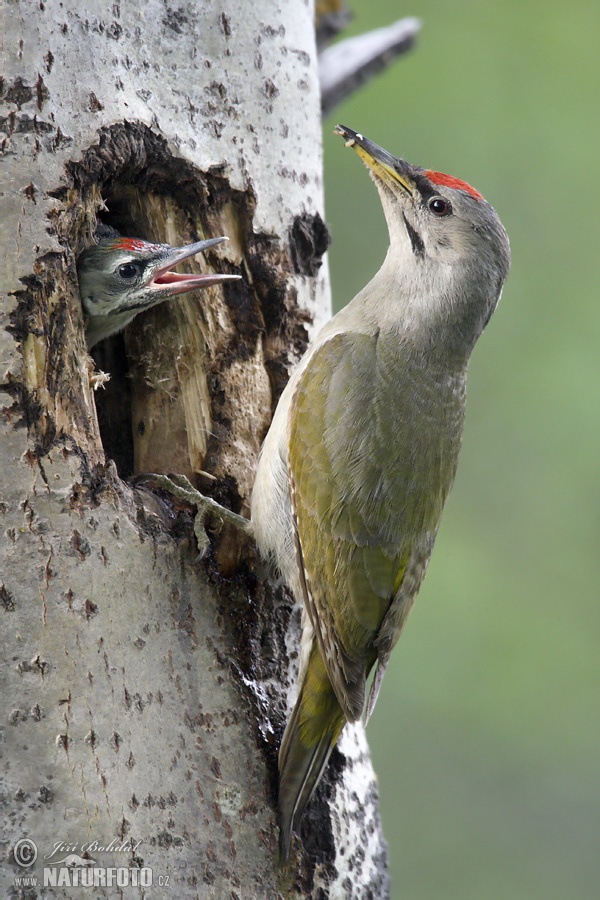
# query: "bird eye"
[[128, 271], [439, 206]]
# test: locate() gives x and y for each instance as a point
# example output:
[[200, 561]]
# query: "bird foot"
[[180, 487]]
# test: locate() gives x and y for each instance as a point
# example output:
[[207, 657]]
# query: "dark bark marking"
[[7, 599], [309, 240]]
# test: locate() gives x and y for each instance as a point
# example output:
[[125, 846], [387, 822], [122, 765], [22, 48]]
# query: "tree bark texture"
[[144, 692]]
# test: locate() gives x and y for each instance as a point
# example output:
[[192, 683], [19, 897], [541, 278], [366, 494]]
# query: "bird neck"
[[100, 327], [426, 307]]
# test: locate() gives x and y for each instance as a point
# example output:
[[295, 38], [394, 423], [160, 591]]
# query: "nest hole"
[[131, 181], [133, 212], [114, 401]]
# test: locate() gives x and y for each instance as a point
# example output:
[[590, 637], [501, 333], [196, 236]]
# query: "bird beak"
[[394, 172], [170, 283]]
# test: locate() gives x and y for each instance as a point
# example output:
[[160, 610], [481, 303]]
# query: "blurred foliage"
[[486, 736]]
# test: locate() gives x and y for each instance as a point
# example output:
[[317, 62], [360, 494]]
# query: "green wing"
[[370, 468]]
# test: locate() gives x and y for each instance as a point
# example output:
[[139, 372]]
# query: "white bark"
[[142, 691]]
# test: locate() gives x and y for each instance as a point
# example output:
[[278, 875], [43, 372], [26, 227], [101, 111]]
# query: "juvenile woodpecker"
[[121, 277], [363, 447]]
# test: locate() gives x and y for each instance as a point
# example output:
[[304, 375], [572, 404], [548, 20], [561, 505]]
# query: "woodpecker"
[[121, 277], [363, 448]]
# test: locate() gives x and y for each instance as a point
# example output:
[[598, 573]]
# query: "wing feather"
[[368, 474]]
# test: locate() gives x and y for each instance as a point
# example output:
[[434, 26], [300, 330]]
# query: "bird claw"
[[181, 487], [202, 538]]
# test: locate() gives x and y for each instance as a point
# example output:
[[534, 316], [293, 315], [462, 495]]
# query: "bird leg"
[[180, 487]]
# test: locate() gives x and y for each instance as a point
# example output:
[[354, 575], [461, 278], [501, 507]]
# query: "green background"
[[486, 737]]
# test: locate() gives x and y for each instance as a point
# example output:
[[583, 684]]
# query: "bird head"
[[121, 277], [447, 244]]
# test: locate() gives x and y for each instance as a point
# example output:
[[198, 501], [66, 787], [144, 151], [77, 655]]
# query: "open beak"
[[170, 283], [390, 169]]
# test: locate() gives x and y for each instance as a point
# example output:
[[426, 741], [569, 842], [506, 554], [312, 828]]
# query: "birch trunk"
[[145, 693]]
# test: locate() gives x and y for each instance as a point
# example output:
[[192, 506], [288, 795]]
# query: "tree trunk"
[[145, 692]]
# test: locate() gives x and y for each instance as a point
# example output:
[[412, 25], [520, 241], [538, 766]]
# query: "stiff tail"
[[311, 734]]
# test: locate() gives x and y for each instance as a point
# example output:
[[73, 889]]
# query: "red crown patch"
[[451, 182], [129, 244]]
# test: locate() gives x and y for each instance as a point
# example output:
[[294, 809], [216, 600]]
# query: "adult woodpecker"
[[121, 277], [363, 447]]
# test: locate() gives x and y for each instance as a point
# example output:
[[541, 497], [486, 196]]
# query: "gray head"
[[121, 277], [448, 247]]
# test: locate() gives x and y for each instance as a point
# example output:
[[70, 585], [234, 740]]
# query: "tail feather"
[[311, 734]]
